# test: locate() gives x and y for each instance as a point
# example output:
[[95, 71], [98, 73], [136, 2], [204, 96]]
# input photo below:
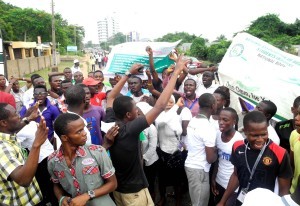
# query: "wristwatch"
[[25, 120], [91, 193], [127, 73]]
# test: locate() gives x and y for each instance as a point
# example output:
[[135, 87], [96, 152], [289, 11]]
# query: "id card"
[[242, 195]]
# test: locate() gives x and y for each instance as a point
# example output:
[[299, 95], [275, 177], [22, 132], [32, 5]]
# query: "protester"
[[285, 128], [45, 108], [226, 137], [201, 138], [78, 77], [17, 182], [257, 161], [125, 152], [28, 98], [75, 67], [136, 92], [67, 74], [190, 96], [90, 175], [96, 97]]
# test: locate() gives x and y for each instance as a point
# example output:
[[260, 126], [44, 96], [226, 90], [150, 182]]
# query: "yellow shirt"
[[295, 147]]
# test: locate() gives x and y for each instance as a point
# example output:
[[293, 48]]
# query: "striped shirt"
[[10, 158]]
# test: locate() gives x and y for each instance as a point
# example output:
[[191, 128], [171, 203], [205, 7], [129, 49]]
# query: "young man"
[[78, 77], [17, 170], [96, 98], [190, 97], [257, 161], [201, 137], [136, 92], [28, 98], [269, 109], [126, 150], [75, 67], [89, 177], [45, 108]]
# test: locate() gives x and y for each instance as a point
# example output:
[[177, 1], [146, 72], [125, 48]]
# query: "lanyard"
[[190, 107], [255, 164]]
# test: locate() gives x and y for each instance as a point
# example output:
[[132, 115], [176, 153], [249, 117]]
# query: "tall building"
[[107, 27], [133, 36]]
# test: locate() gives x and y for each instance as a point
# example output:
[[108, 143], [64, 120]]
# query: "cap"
[[76, 61], [90, 81]]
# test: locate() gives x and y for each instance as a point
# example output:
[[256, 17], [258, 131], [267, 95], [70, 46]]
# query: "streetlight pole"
[[53, 35]]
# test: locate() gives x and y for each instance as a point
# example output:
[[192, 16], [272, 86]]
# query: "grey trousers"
[[198, 186]]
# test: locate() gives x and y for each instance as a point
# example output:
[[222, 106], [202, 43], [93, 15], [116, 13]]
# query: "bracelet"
[[149, 84], [61, 199]]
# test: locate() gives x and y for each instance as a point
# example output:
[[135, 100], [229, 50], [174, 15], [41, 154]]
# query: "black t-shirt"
[[126, 156], [284, 130], [274, 163]]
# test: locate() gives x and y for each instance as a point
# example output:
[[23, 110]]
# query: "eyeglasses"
[[40, 93]]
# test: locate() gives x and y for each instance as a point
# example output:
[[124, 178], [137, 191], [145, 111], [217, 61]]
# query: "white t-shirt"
[[26, 137], [225, 167], [28, 97], [149, 145], [273, 135], [75, 69], [200, 134]]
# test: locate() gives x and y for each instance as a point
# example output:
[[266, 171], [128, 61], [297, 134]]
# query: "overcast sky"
[[156, 18]]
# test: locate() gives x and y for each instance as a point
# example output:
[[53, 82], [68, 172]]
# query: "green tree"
[[198, 48], [216, 51], [118, 38], [173, 37]]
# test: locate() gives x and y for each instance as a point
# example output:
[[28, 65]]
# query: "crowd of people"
[[89, 141]]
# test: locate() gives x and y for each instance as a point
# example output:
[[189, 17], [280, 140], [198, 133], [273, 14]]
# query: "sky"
[[155, 18]]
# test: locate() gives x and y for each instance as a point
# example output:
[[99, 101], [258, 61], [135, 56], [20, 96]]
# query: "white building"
[[107, 27]]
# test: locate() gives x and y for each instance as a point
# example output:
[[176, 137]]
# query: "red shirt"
[[97, 99], [7, 98]]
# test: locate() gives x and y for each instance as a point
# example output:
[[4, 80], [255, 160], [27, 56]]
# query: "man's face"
[[297, 120], [76, 134], [65, 86], [2, 81], [207, 79], [38, 81], [112, 82], [135, 85], [16, 87], [78, 77], [87, 95], [93, 89], [98, 76], [13, 121], [55, 83], [189, 88], [262, 108], [226, 121], [40, 95], [68, 74], [76, 64], [257, 134]]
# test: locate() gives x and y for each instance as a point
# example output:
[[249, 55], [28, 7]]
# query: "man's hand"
[[173, 56], [135, 69], [13, 80], [41, 134], [80, 200], [181, 64], [109, 137], [214, 189], [148, 73], [33, 112], [149, 50]]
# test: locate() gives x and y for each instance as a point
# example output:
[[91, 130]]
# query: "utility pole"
[[75, 35], [53, 35]]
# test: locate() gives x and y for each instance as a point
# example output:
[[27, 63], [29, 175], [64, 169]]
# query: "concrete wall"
[[19, 67]]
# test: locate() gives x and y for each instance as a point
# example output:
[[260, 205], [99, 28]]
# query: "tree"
[[170, 37], [198, 48], [118, 38], [217, 51]]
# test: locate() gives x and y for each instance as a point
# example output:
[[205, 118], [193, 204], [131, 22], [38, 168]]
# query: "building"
[[107, 27], [133, 36]]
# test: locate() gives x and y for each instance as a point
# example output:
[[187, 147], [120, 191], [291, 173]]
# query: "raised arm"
[[202, 69], [151, 88], [168, 90], [151, 64]]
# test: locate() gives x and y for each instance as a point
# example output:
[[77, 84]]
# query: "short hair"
[[40, 87], [1, 75], [206, 100], [234, 114], [62, 121], [296, 103], [270, 107], [4, 113], [224, 91], [98, 71], [254, 117], [82, 85], [75, 96], [67, 68], [34, 76], [191, 80], [211, 73], [136, 77], [122, 105], [65, 81]]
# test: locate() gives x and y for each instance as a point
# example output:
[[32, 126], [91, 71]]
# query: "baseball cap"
[[90, 81], [76, 61]]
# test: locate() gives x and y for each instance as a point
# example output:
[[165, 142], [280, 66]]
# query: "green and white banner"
[[256, 71], [124, 55]]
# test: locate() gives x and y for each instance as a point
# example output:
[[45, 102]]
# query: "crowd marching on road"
[[93, 140]]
